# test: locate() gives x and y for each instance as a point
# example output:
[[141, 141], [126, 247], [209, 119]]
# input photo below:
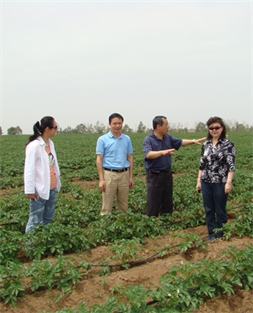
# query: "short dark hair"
[[216, 119], [113, 115], [158, 120]]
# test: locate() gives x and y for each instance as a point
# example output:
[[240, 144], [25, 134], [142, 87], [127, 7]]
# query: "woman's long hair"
[[219, 120], [40, 126]]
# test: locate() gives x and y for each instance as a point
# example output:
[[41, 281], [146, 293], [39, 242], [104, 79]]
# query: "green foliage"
[[242, 225], [14, 131], [126, 251], [11, 242], [56, 238], [190, 240], [62, 274], [141, 128], [78, 226], [10, 282], [184, 287], [201, 127]]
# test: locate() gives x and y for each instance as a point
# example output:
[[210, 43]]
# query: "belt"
[[160, 171], [116, 171]]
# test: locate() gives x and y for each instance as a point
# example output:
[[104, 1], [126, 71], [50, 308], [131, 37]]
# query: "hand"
[[228, 188], [101, 185], [168, 151], [32, 196], [131, 183], [198, 141], [198, 187]]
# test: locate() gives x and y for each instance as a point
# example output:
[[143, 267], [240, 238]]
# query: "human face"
[[215, 130], [164, 128], [116, 125], [53, 129]]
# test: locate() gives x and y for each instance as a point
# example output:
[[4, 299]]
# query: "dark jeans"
[[215, 200], [159, 193]]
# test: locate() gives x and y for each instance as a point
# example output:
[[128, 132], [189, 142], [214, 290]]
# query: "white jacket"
[[37, 172]]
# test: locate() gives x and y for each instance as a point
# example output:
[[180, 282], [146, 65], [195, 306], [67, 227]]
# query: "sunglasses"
[[215, 128], [54, 127]]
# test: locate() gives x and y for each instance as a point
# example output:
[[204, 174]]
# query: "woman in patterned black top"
[[216, 171]]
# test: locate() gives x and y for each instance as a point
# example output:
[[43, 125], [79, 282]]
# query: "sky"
[[80, 61]]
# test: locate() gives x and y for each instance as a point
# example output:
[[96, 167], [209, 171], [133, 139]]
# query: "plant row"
[[63, 272], [76, 155], [183, 288], [78, 226]]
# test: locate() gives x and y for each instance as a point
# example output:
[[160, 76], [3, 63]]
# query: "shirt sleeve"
[[130, 146], [100, 146], [202, 160], [147, 146], [230, 157], [175, 142], [29, 170]]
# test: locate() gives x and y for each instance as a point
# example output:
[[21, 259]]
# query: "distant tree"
[[141, 128], [19, 130], [67, 130], [14, 131], [1, 131], [89, 129], [80, 129], [179, 127], [239, 127], [99, 128], [201, 127], [126, 129], [231, 124], [172, 127]]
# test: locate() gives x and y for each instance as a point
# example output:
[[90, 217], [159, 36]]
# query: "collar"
[[112, 136], [157, 138], [219, 141], [42, 142]]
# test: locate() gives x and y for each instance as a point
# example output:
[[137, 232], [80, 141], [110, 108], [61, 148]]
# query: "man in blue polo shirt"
[[157, 148], [114, 165]]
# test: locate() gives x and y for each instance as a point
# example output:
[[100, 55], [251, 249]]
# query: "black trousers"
[[159, 193]]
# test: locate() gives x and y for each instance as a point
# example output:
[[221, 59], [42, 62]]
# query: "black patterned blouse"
[[216, 161]]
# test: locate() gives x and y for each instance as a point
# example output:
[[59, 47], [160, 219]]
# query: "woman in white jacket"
[[41, 173]]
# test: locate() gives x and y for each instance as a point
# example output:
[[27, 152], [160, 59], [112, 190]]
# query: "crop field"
[[124, 263]]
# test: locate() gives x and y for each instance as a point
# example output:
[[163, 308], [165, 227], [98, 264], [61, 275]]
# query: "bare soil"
[[95, 289]]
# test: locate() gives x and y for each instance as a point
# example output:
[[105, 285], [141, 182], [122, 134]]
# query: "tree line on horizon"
[[100, 128]]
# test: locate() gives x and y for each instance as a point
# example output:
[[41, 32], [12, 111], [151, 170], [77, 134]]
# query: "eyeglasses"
[[215, 128], [54, 127]]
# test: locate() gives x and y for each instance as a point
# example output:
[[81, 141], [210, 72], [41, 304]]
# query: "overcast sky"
[[80, 61]]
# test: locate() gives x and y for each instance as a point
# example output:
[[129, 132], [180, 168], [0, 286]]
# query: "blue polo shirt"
[[153, 143], [114, 150]]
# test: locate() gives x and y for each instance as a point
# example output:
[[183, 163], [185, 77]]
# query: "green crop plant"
[[126, 251], [10, 282], [78, 227], [190, 240]]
